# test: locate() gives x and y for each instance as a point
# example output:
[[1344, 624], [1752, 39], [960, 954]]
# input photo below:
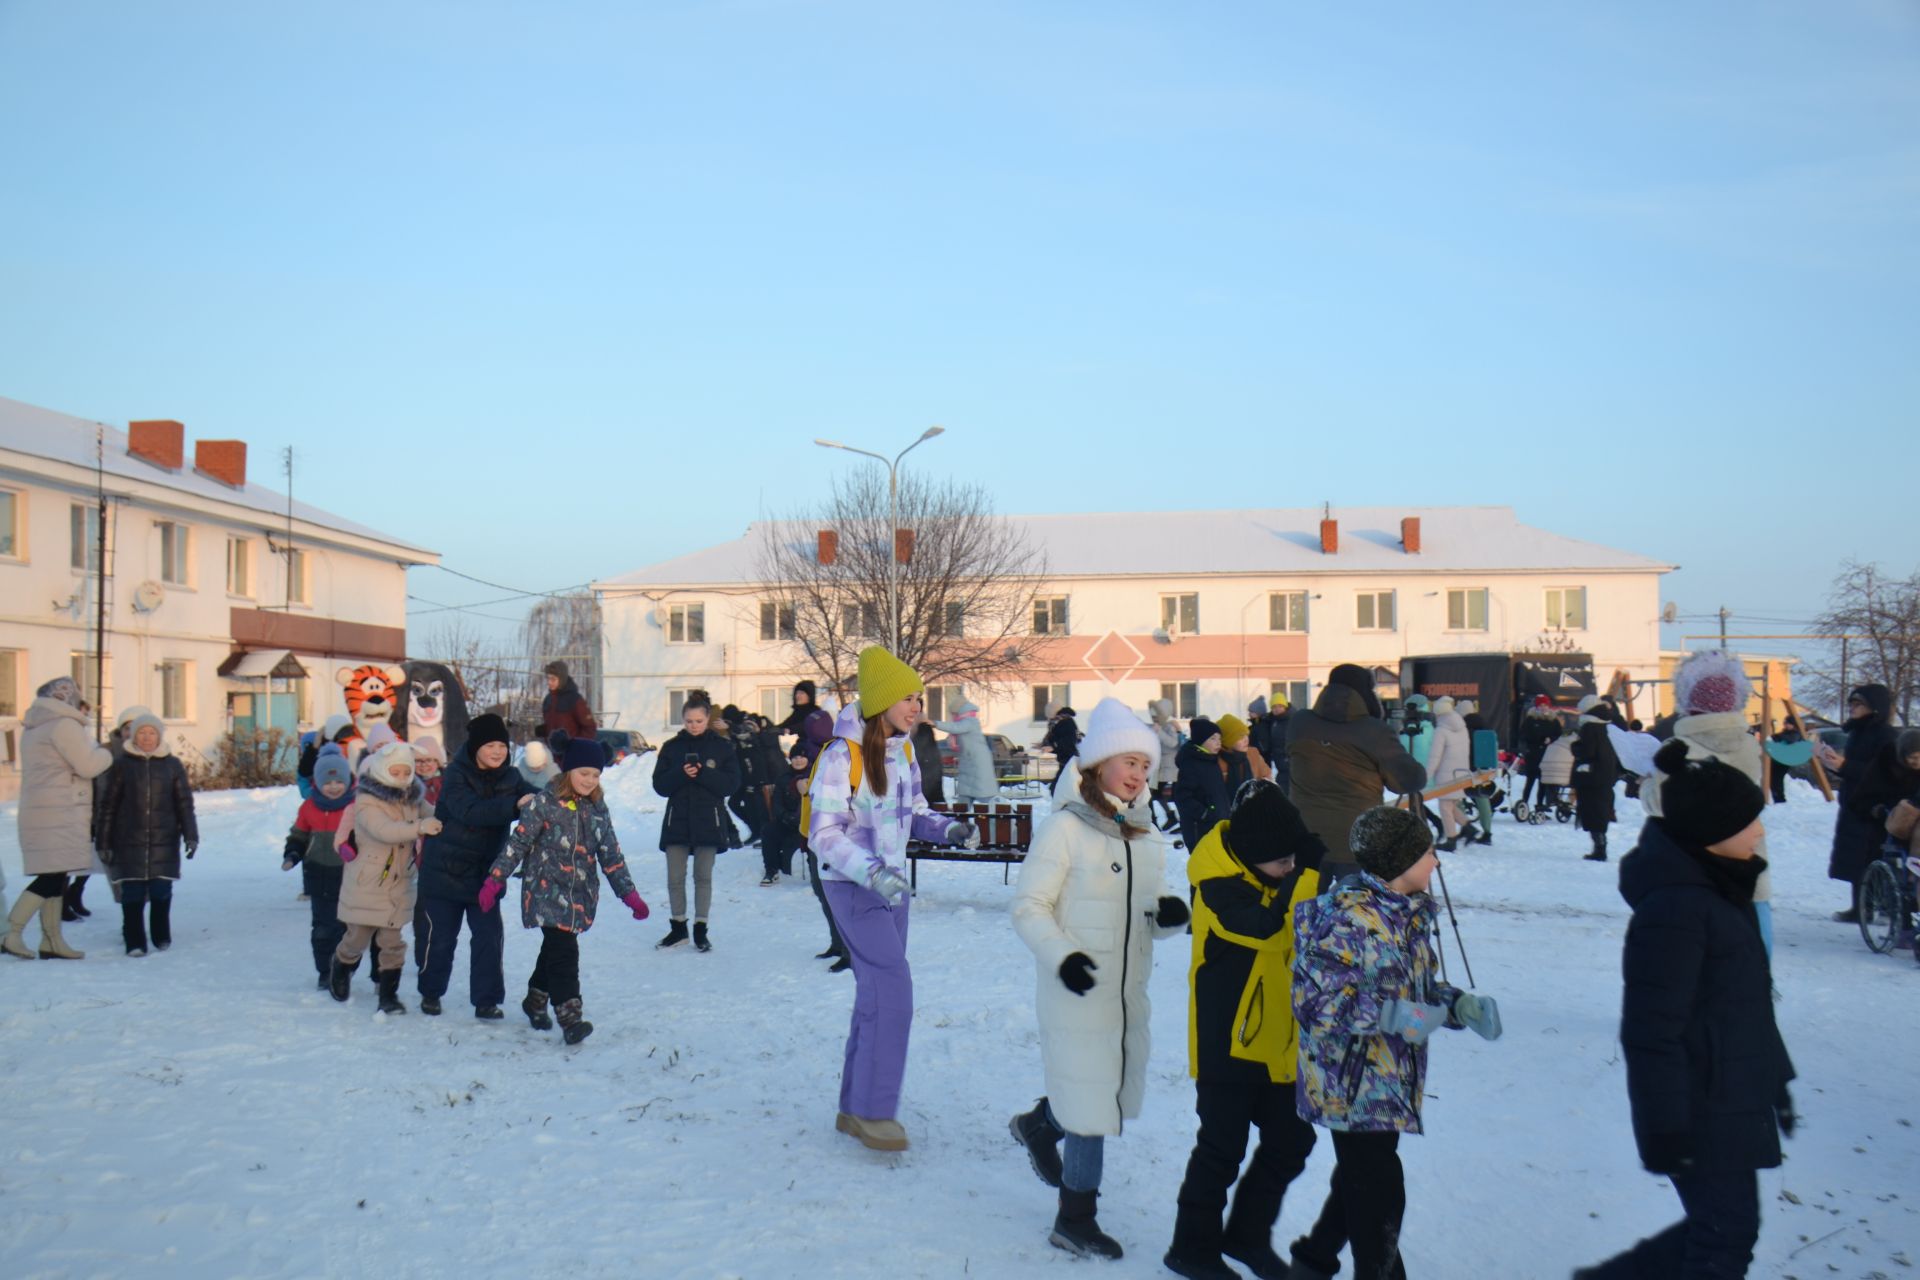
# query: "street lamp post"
[[893, 518]]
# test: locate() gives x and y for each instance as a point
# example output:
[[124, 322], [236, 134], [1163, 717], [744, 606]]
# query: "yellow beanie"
[[884, 680], [1232, 729]]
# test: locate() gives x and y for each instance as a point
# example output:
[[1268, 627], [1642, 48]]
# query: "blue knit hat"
[[331, 766], [583, 753]]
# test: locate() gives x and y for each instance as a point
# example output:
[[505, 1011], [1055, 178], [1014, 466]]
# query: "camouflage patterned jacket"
[[1358, 947], [566, 845]]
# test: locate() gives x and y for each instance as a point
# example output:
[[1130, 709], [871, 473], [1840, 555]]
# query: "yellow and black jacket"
[[1240, 1026]]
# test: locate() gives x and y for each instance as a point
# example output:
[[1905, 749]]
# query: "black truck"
[[1503, 685]]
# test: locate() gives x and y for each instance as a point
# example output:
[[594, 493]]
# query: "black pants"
[[1227, 1112], [51, 885], [557, 971], [1364, 1208], [777, 848], [750, 807], [1778, 780], [323, 900], [1713, 1242], [436, 937], [813, 876], [138, 893]]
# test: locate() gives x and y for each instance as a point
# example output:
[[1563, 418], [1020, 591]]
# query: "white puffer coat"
[[59, 760], [1083, 888], [1451, 755], [1724, 737]]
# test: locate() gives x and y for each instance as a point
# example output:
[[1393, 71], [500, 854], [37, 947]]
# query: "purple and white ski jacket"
[[852, 830]]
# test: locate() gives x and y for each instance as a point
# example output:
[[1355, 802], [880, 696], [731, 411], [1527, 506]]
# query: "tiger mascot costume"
[[370, 694]]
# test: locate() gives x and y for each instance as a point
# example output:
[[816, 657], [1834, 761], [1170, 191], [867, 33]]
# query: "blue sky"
[[563, 290]]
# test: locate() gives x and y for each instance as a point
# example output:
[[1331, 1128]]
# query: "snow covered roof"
[[60, 437], [1273, 541]]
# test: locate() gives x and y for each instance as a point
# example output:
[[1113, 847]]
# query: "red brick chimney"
[[903, 545], [827, 546], [160, 441], [1330, 536], [222, 460], [1410, 534]]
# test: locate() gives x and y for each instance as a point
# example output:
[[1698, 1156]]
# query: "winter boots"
[[133, 929], [875, 1135], [700, 942], [489, 1013], [163, 924], [573, 1027], [430, 1005], [52, 945], [340, 979], [535, 1007], [1076, 1230], [1198, 1262], [1599, 853], [676, 935], [25, 908], [72, 908], [387, 984], [1041, 1137]]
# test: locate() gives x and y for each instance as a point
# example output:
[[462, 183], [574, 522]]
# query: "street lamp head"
[[931, 432], [828, 444]]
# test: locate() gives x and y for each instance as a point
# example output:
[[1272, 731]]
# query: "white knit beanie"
[[1114, 730], [1442, 705], [1711, 681]]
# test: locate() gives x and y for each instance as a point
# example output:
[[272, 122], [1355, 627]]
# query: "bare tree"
[[1550, 640], [1881, 615], [564, 628], [965, 593], [481, 663]]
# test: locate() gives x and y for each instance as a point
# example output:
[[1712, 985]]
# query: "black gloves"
[[1172, 914], [295, 848], [191, 846], [1076, 973], [1783, 1112]]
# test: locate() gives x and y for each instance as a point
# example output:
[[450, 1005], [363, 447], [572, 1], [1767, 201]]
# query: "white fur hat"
[[374, 764], [1711, 681], [1442, 705], [535, 755], [1114, 730]]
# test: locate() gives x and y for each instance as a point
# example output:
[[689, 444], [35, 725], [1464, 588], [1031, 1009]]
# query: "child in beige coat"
[[390, 814]]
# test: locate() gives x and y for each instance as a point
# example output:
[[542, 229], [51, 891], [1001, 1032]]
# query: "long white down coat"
[[1451, 755], [1083, 888]]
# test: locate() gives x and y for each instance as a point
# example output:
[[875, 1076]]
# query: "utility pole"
[[286, 463], [1724, 615], [100, 588]]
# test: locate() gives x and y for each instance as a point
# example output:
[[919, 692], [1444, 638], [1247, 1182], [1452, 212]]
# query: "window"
[[1180, 615], [239, 567], [860, 620], [175, 558], [677, 704], [1567, 608], [686, 624], [80, 667], [770, 706], [776, 620], [1048, 696], [942, 699], [84, 523], [1373, 611], [1467, 609], [10, 665], [956, 619], [299, 579], [1185, 698], [10, 541], [1294, 691], [176, 690], [1287, 611], [1050, 615]]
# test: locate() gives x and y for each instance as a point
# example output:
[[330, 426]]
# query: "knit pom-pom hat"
[[1711, 682], [884, 680], [1113, 730], [1232, 730], [1705, 801]]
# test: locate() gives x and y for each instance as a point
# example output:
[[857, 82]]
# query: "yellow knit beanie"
[[884, 680], [1232, 729]]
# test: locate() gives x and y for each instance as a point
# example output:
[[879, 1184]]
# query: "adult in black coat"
[[697, 772], [480, 797], [926, 753], [748, 804], [1596, 770], [1856, 836], [1707, 1071], [1540, 728], [1063, 737], [143, 817], [1200, 794]]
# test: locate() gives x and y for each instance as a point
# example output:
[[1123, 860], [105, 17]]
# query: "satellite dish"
[[658, 615], [1160, 636], [1670, 614], [147, 596]]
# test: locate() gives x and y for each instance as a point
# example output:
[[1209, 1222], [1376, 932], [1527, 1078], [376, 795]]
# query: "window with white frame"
[[942, 699], [299, 577], [770, 703], [239, 567], [1467, 609], [81, 668], [1286, 611], [1184, 695], [176, 556], [1050, 615], [677, 704], [1047, 696], [12, 516], [687, 623], [1294, 691], [1567, 608], [83, 525], [1373, 611], [1180, 614], [777, 620], [176, 689], [12, 663]]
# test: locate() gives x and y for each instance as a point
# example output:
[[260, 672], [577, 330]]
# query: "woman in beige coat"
[[390, 814], [58, 761]]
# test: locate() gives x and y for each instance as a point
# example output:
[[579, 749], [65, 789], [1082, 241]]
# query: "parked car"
[[1009, 759], [621, 743]]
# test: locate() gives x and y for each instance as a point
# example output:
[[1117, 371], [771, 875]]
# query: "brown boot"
[[52, 945], [25, 908], [875, 1135]]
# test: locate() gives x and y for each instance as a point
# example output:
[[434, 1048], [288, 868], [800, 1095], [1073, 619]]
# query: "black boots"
[[676, 935], [387, 983], [1599, 853], [71, 907], [1041, 1137], [162, 924], [133, 929], [535, 1007], [430, 1005], [340, 979], [1076, 1230], [573, 1026], [700, 942]]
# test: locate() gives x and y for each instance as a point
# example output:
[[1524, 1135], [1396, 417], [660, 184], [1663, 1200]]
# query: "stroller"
[[1555, 799]]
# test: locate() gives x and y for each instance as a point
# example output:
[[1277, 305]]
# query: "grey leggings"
[[677, 880]]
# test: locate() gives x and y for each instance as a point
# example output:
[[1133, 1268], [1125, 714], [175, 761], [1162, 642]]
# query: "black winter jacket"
[[1857, 836], [477, 810], [1595, 771], [1063, 739], [746, 752], [1706, 1066], [697, 807], [1537, 733], [146, 810], [1200, 788], [926, 752]]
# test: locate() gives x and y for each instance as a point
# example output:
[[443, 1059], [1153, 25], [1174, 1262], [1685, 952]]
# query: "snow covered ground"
[[207, 1113]]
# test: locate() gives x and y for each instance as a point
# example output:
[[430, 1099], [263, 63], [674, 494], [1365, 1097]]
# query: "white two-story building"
[[224, 605], [1207, 608]]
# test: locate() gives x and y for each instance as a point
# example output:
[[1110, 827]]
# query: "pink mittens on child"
[[636, 905], [490, 893]]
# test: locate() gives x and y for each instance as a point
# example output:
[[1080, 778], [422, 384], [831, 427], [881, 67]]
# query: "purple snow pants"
[[876, 940]]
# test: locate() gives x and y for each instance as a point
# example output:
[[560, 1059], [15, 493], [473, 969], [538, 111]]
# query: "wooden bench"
[[1006, 833]]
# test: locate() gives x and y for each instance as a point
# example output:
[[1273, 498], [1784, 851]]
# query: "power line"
[[560, 594], [456, 608]]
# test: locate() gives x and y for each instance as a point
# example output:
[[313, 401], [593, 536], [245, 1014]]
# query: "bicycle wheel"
[[1880, 908]]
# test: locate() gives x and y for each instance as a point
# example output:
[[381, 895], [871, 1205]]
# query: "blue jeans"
[[1082, 1157]]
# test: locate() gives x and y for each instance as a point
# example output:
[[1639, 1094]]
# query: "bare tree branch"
[[1883, 612]]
